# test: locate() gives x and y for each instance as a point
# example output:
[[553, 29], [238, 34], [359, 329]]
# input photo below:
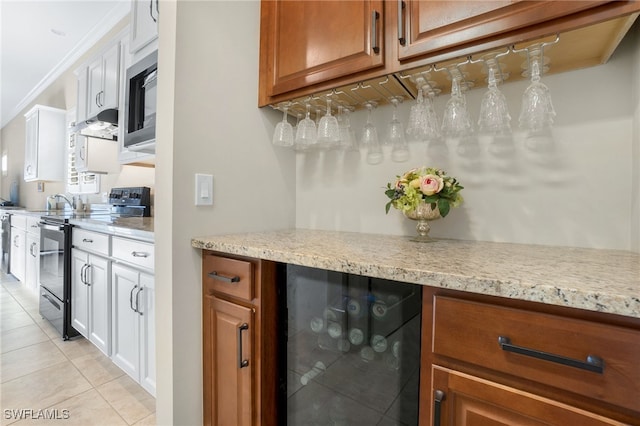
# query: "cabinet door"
[[98, 281], [110, 78], [309, 42], [31, 147], [18, 255], [79, 293], [145, 299], [462, 399], [124, 319], [144, 23], [227, 384], [431, 26], [32, 263], [94, 87], [81, 106]]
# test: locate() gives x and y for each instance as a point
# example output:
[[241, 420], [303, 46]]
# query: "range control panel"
[[139, 196]]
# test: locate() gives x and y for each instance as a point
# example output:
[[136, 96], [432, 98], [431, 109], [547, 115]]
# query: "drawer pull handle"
[[438, 397], [242, 362], [217, 276], [593, 363], [87, 240], [139, 254]]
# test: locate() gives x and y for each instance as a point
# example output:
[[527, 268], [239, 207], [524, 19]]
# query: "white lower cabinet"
[[18, 260], [91, 298], [133, 324], [32, 262]]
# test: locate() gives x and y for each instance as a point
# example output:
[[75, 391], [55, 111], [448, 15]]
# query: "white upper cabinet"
[[103, 77], [144, 23], [45, 145]]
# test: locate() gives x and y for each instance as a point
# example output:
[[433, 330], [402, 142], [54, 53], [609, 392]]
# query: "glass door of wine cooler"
[[353, 349]]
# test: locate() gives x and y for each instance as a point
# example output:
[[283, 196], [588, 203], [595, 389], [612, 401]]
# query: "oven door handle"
[[50, 227], [47, 252], [53, 302]]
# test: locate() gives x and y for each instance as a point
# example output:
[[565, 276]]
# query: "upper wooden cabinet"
[[309, 42], [430, 26], [308, 47]]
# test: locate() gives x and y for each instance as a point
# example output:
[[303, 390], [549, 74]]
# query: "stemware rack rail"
[[510, 63]]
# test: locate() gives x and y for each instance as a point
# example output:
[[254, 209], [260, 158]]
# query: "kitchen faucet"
[[65, 199]]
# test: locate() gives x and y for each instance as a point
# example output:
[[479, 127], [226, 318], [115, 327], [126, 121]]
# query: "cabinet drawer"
[[133, 252], [229, 276], [19, 221], [539, 347], [32, 225], [90, 241]]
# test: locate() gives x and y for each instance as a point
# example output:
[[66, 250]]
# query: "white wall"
[[574, 191], [208, 122]]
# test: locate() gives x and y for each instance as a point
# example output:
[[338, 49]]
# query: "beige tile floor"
[[42, 375]]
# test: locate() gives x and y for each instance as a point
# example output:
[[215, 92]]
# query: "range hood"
[[103, 126]]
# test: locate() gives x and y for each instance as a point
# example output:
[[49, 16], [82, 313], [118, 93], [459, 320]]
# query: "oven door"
[[52, 309], [52, 246]]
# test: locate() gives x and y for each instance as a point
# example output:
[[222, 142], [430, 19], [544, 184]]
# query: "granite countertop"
[[597, 280], [140, 228]]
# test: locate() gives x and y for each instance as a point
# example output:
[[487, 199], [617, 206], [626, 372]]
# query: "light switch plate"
[[204, 190]]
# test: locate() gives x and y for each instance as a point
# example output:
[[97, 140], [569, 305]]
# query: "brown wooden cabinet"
[[309, 47], [239, 335], [308, 42], [431, 26], [498, 361], [470, 400]]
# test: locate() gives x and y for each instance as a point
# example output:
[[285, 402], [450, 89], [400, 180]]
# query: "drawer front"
[[133, 252], [547, 349], [32, 224], [19, 221], [90, 241], [229, 276]]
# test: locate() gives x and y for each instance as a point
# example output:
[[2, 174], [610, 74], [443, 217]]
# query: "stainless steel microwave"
[[140, 104]]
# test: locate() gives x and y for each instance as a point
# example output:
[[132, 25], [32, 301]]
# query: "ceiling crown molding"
[[110, 20]]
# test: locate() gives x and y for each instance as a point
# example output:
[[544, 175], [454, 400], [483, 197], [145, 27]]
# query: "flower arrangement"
[[424, 185]]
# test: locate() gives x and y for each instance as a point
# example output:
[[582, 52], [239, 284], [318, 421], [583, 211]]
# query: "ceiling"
[[41, 39]]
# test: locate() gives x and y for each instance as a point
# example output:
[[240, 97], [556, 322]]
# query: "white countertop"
[[597, 280]]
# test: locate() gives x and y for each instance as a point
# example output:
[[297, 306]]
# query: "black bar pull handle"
[[438, 397], [593, 363], [242, 362], [217, 276], [374, 32], [401, 38]]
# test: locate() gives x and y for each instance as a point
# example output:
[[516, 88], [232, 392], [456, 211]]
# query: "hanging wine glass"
[[328, 130], [494, 116], [537, 111], [456, 121], [283, 133], [370, 138], [431, 126], [395, 134], [347, 134], [415, 125], [306, 133]]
